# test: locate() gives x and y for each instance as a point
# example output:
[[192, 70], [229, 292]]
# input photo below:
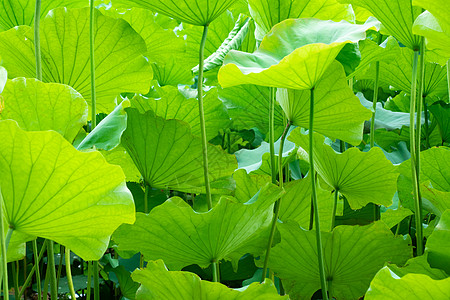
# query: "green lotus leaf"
[[396, 17], [106, 135], [248, 185], [337, 111], [199, 238], [294, 54], [362, 177], [418, 265], [159, 283], [392, 217], [434, 24], [44, 106], [173, 105], [195, 12], [119, 156], [21, 12], [48, 194], [120, 66], [387, 285], [267, 13], [165, 50], [441, 113], [438, 244], [434, 168], [248, 107], [169, 157], [397, 70], [296, 204], [434, 200], [352, 256]]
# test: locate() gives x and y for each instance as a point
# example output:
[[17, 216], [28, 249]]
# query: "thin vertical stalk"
[[323, 281], [146, 192], [4, 251], [414, 167], [215, 271], [427, 129], [419, 102], [69, 274], [47, 279], [272, 134], [96, 281], [88, 287], [374, 104], [15, 273], [92, 58], [58, 275], [333, 216], [51, 270], [35, 268], [202, 117], [37, 40], [277, 204]]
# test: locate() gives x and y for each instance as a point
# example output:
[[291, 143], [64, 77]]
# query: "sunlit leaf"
[[352, 256], [337, 112], [292, 49], [120, 66], [438, 244], [362, 177], [159, 283], [53, 191], [170, 157], [387, 285], [199, 238], [44, 106]]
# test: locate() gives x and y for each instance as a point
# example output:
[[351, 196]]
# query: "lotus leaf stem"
[[51, 270], [4, 244], [333, 216], [323, 281], [69, 274], [202, 116], [37, 40], [215, 271], [278, 203], [92, 59], [15, 273], [88, 287], [414, 166], [272, 135], [37, 259], [96, 281]]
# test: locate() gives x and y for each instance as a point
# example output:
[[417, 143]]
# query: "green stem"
[[35, 268], [4, 246], [277, 204], [15, 273], [69, 274], [323, 281], [333, 216], [341, 146], [147, 189], [215, 271], [374, 104], [272, 134], [202, 117], [92, 58], [88, 287], [96, 281], [47, 279], [37, 40], [419, 104], [51, 270], [427, 129], [350, 83], [414, 167], [58, 275]]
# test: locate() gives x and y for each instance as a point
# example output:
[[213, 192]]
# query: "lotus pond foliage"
[[224, 149]]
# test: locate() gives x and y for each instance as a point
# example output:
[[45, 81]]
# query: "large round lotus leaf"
[[44, 106], [438, 244], [172, 104], [21, 12], [387, 285], [170, 157], [396, 17], [120, 66], [268, 13], [294, 54], [434, 24], [53, 191], [352, 256], [196, 12], [362, 177], [226, 231], [337, 111], [158, 283]]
